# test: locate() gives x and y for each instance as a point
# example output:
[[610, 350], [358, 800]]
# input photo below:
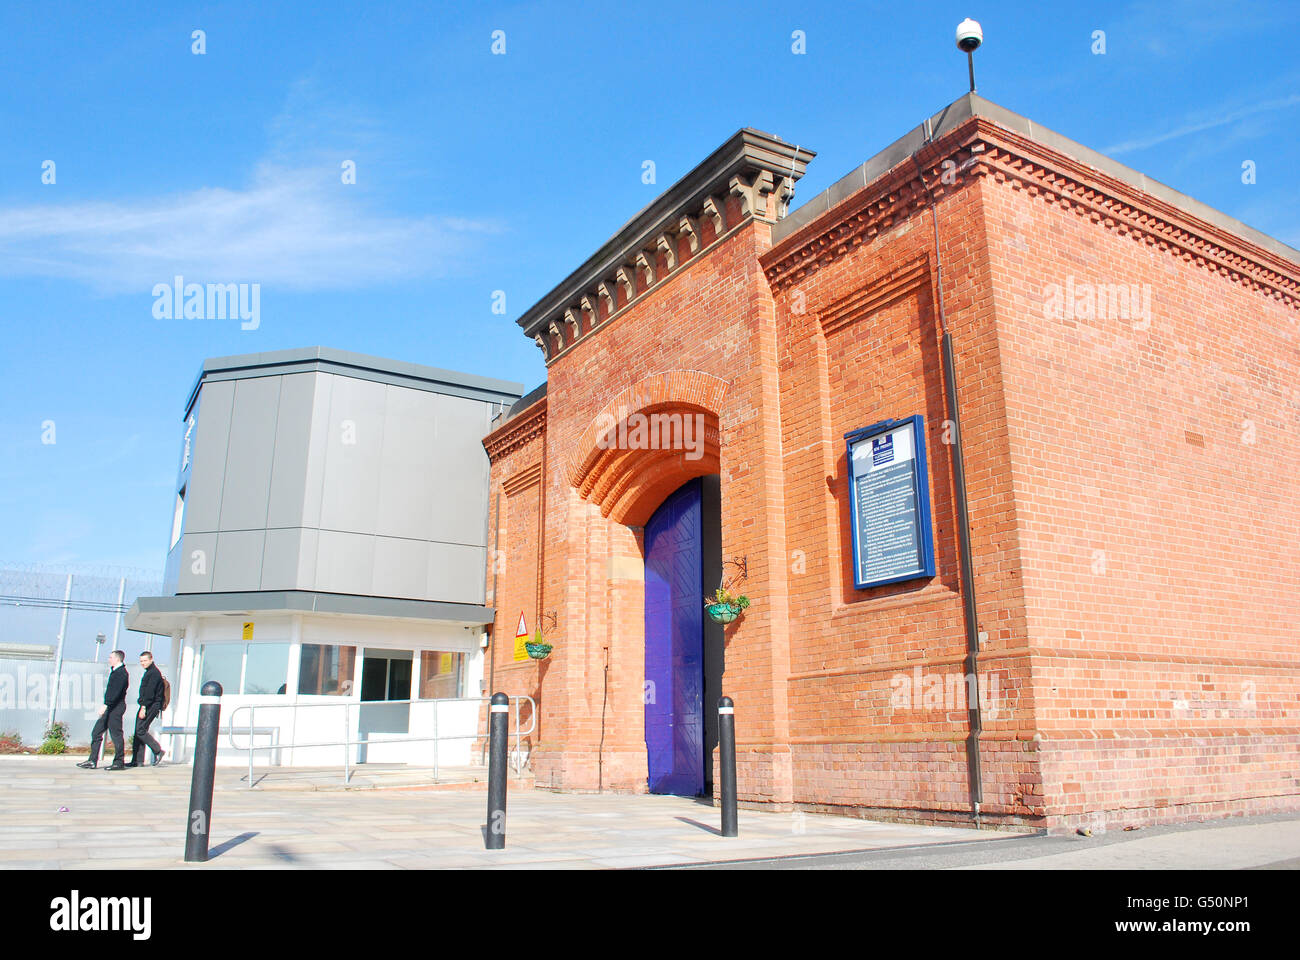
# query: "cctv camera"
[[969, 35]]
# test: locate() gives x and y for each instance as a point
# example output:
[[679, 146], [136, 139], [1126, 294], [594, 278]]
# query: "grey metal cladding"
[[400, 569], [354, 444], [246, 489], [324, 481], [411, 451], [457, 572], [293, 424], [458, 482], [207, 474], [345, 562], [280, 559], [198, 555], [238, 562]]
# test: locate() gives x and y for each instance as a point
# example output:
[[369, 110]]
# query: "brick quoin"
[[1131, 479]]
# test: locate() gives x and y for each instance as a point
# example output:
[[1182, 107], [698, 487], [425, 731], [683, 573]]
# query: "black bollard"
[[727, 765], [498, 735], [205, 769]]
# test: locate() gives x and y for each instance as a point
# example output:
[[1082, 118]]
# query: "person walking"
[[110, 715], [151, 704]]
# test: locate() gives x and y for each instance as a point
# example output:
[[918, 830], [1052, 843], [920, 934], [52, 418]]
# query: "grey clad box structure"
[[326, 471]]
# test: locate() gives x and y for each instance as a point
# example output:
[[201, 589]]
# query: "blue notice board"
[[889, 503]]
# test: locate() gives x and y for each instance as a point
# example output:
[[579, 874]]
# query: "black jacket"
[[151, 689], [115, 693]]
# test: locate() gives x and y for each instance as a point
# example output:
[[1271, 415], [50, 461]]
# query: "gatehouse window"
[[326, 670], [254, 669], [440, 674]]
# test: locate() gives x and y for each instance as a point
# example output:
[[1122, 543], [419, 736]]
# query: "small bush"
[[56, 739], [10, 743]]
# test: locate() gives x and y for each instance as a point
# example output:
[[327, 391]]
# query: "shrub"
[[56, 739], [10, 743]]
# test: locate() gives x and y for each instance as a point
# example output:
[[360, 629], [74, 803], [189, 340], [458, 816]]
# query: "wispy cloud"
[[292, 223], [297, 227], [1206, 123]]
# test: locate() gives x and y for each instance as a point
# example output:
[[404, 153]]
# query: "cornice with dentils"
[[757, 167]]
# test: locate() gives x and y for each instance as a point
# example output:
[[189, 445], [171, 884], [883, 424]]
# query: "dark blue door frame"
[[674, 645]]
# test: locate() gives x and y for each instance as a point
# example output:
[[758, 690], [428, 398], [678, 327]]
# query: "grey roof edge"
[[309, 601], [746, 149], [533, 396], [348, 363], [527, 400], [969, 105]]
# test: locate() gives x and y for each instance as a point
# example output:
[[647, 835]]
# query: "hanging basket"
[[722, 612], [538, 651]]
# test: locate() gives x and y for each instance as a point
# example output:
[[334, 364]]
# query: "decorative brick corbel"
[[557, 333], [717, 212], [589, 304], [575, 323], [752, 192], [784, 194], [689, 227], [606, 291], [645, 260], [541, 345], [626, 277], [667, 244]]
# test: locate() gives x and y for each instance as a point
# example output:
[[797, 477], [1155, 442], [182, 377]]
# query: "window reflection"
[[324, 669], [440, 674], [267, 668], [222, 662]]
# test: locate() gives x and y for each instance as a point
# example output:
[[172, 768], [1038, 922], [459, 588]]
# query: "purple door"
[[674, 642]]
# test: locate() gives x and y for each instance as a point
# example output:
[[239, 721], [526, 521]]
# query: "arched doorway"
[[683, 650]]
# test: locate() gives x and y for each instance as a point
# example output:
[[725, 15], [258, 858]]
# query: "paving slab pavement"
[[136, 819]]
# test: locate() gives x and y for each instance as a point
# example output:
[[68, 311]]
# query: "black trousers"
[[141, 737], [111, 721]]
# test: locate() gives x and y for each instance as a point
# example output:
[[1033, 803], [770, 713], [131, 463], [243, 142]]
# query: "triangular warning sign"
[[521, 638]]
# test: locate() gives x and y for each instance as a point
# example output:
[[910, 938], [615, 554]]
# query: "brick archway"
[[647, 441]]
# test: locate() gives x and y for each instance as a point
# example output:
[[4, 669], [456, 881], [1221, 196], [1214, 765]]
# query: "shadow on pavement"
[[230, 844], [703, 826]]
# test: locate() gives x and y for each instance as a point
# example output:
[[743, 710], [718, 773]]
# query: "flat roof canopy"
[[163, 615]]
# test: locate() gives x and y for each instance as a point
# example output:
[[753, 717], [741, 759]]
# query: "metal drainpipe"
[[496, 606], [975, 720]]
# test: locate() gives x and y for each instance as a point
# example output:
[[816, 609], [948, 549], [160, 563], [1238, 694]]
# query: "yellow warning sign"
[[521, 637], [248, 631]]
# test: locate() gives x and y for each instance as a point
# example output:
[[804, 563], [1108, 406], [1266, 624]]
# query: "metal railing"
[[517, 757]]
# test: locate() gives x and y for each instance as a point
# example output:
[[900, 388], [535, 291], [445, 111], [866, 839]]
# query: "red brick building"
[[1126, 364]]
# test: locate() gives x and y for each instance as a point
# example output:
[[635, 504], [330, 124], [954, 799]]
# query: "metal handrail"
[[348, 741]]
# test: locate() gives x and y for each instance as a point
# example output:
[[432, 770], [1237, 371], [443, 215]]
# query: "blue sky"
[[478, 172]]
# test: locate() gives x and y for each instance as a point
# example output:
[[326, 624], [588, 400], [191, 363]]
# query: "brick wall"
[[1154, 454], [1134, 572], [877, 697]]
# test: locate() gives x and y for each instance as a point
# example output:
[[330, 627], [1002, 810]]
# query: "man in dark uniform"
[[151, 704], [110, 715]]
